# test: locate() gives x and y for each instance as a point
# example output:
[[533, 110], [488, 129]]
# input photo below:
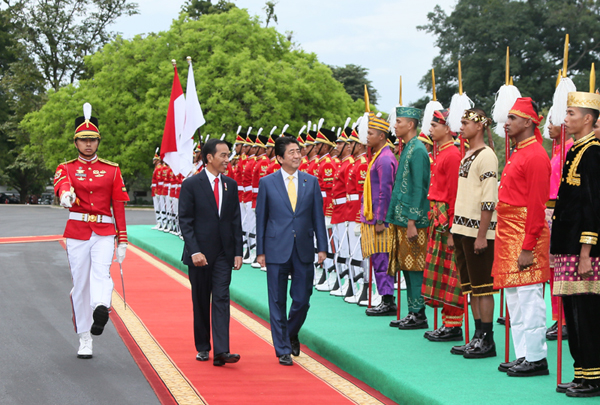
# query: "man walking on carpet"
[[209, 217], [521, 263], [408, 216], [289, 214]]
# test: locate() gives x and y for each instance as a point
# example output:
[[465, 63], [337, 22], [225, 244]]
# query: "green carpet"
[[401, 364]]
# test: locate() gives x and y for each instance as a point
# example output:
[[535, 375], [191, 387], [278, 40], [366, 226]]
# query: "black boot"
[[460, 350], [414, 320]]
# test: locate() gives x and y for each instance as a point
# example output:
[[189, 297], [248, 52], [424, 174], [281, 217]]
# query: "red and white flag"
[[173, 126], [194, 119]]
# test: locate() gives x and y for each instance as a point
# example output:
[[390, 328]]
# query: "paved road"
[[37, 343]]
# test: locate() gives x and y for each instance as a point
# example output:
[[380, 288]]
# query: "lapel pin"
[[225, 186]]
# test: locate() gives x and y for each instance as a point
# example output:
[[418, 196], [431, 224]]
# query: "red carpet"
[[26, 239], [165, 307]]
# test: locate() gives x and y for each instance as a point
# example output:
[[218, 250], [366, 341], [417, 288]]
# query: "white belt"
[[255, 190], [323, 194], [160, 183], [353, 197], [339, 201], [249, 188], [240, 188], [153, 184], [77, 216]]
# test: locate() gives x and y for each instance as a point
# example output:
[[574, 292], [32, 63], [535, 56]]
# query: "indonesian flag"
[[173, 126], [194, 119]]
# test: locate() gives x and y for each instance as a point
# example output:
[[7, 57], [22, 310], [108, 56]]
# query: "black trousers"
[[582, 314], [214, 280]]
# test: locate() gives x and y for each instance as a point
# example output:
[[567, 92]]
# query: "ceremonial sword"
[[123, 285]]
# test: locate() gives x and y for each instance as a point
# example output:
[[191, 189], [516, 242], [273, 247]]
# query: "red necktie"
[[217, 192]]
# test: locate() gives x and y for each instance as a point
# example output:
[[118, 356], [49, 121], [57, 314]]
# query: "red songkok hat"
[[524, 108]]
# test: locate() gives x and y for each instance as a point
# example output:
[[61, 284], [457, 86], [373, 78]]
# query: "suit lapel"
[[208, 191], [302, 180], [279, 183]]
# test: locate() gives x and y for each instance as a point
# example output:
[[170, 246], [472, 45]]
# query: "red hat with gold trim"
[[325, 135], [239, 139], [86, 127], [524, 108], [423, 137], [156, 157], [302, 137]]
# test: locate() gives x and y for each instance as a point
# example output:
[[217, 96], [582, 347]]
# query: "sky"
[[380, 35]]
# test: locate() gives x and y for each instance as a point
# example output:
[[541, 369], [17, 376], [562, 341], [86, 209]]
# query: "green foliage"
[[477, 32], [269, 9], [197, 8], [245, 75], [58, 34], [354, 78]]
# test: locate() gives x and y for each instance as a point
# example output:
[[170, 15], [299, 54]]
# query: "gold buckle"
[[92, 218]]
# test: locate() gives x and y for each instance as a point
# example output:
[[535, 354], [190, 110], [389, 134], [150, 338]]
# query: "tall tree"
[[354, 78], [245, 75], [269, 9], [58, 34], [197, 8], [477, 32]]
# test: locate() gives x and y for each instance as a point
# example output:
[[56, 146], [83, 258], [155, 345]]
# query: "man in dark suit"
[[289, 213], [209, 217]]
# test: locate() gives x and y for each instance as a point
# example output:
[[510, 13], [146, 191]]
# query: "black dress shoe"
[[395, 323], [295, 345], [501, 320], [552, 334], [460, 350], [563, 387], [452, 334], [100, 320], [484, 347], [286, 360], [529, 369], [222, 358], [585, 390], [202, 356], [383, 309], [414, 320], [505, 366], [436, 332], [552, 328]]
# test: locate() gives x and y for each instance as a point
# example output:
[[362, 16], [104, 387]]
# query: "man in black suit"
[[209, 217], [289, 214]]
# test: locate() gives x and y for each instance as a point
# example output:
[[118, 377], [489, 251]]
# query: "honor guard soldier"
[[155, 202], [261, 166], [303, 150], [273, 163], [250, 219], [88, 186], [312, 154], [241, 149]]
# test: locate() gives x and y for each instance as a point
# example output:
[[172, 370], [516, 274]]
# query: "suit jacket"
[[277, 225], [202, 229]]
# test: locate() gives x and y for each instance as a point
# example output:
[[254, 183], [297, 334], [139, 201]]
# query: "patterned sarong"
[[440, 280], [373, 242], [567, 280], [510, 234], [405, 255]]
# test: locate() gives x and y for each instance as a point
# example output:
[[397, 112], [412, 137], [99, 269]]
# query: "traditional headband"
[[476, 117]]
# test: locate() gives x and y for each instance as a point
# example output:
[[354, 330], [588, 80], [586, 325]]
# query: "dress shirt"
[[211, 179], [526, 183], [286, 181]]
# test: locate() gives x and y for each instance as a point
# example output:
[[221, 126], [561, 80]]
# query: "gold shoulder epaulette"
[[108, 162], [351, 159], [363, 159], [69, 161]]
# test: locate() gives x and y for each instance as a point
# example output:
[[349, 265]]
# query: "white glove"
[[357, 229], [67, 199], [121, 250], [328, 222]]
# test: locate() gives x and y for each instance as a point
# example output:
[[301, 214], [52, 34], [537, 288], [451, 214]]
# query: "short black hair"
[[210, 148], [590, 111], [282, 143]]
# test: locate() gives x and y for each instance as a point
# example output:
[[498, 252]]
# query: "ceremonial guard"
[[249, 222], [155, 198], [303, 150], [575, 229], [357, 173], [339, 216], [161, 193], [474, 230], [521, 249], [198, 163], [428, 143], [376, 200], [312, 154], [440, 279], [261, 166], [273, 163], [408, 216], [88, 186]]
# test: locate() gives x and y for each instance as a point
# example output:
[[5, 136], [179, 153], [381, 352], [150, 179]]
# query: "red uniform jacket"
[[274, 166], [313, 166], [238, 175], [327, 171], [354, 187], [338, 191], [155, 179], [303, 165], [247, 179], [260, 170], [97, 185]]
